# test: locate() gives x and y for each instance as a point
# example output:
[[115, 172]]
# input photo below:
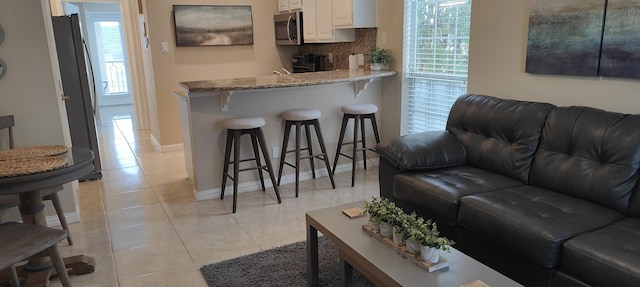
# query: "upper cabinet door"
[[342, 13], [310, 19], [295, 4], [324, 20], [289, 5], [355, 13], [283, 5]]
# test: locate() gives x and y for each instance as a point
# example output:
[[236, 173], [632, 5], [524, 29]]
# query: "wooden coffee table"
[[378, 262]]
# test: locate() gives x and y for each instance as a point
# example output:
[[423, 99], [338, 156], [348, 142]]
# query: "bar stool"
[[306, 118], [357, 112], [236, 128]]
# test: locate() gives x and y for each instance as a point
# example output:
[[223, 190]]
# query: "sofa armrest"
[[423, 151]]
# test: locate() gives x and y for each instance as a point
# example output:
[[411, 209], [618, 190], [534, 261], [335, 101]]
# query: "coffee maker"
[[309, 63]]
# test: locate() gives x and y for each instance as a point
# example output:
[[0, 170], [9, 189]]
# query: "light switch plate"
[[165, 47]]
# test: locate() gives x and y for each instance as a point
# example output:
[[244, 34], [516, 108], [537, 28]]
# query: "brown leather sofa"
[[547, 195]]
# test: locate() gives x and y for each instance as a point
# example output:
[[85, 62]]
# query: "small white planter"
[[375, 66], [386, 230], [374, 225], [398, 237], [430, 254], [412, 246]]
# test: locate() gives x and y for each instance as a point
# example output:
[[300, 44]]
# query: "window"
[[436, 53]]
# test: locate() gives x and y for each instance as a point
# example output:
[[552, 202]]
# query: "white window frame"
[[434, 77]]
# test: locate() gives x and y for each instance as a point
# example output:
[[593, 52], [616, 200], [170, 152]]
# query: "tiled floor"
[[143, 226]]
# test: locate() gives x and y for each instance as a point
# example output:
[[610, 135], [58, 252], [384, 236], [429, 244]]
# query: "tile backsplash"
[[365, 39]]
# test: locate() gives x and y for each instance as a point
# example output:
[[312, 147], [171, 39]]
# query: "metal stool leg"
[[283, 152], [355, 150], [323, 148], [256, 154], [374, 124], [364, 142], [267, 161], [345, 119], [310, 147], [227, 157], [297, 152], [236, 166]]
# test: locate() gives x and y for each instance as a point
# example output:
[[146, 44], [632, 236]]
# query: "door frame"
[[133, 43]]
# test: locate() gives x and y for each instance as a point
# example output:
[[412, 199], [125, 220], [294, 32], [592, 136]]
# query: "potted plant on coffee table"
[[433, 243], [401, 224], [376, 57], [417, 234]]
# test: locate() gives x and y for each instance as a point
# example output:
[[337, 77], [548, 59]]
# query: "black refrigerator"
[[78, 87]]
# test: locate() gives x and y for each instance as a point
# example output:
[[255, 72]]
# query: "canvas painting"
[[565, 36], [210, 25], [621, 43]]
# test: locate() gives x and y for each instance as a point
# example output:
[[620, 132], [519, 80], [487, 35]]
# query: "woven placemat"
[[16, 167], [31, 152]]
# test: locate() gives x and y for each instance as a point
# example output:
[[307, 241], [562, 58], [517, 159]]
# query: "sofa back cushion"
[[498, 135], [590, 154]]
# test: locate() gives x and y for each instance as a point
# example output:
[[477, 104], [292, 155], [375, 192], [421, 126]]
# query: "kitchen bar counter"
[[286, 81], [206, 104]]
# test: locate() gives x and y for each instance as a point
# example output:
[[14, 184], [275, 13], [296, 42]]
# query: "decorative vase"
[[413, 247], [375, 66], [386, 230], [373, 225], [398, 237], [430, 254]]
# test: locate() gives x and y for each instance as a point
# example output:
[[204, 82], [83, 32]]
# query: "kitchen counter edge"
[[285, 81]]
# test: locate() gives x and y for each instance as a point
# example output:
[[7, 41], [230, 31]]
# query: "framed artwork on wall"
[[213, 25], [620, 55], [565, 36]]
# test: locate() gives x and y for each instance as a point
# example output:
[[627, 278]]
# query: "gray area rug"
[[281, 266]]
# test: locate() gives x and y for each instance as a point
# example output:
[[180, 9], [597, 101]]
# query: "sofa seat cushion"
[[532, 221], [439, 191], [605, 257]]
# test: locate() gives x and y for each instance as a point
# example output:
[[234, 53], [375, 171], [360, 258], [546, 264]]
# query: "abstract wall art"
[[213, 25], [565, 36], [621, 43]]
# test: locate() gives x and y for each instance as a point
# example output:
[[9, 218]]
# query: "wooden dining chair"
[[9, 201], [21, 241]]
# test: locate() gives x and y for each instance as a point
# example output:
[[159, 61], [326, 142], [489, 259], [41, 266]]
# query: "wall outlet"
[[275, 152], [165, 47]]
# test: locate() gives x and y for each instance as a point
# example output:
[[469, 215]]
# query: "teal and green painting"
[[565, 36]]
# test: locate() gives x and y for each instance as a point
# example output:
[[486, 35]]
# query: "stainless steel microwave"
[[288, 28]]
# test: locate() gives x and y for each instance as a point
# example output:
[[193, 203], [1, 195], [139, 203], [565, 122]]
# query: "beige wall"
[[29, 89], [390, 17], [497, 60], [202, 63]]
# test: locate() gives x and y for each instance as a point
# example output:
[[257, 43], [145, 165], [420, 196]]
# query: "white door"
[[109, 59]]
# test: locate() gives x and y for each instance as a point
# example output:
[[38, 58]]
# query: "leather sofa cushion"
[[498, 135], [423, 151], [589, 154], [439, 191], [532, 221], [606, 257]]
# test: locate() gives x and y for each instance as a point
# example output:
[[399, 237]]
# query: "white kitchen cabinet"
[[289, 5], [355, 13], [318, 24]]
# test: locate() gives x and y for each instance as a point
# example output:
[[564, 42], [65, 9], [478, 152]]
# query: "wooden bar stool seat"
[[21, 241], [357, 112], [303, 118], [236, 128]]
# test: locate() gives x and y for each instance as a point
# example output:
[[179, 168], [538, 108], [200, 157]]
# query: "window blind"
[[436, 54]]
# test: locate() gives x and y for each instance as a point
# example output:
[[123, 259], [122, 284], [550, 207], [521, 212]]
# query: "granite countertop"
[[285, 81]]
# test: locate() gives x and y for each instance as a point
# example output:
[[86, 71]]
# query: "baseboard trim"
[[72, 217], [166, 148], [288, 178]]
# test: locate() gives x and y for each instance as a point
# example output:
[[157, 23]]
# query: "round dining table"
[[28, 187]]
